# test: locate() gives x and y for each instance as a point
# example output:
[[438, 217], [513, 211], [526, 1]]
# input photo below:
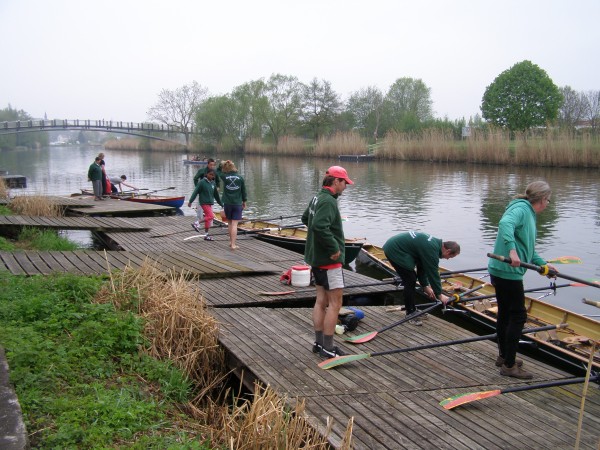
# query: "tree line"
[[520, 98]]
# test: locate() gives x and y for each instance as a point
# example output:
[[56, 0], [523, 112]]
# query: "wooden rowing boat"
[[572, 344], [292, 238], [162, 200]]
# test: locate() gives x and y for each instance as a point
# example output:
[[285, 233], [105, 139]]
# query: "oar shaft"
[[540, 270], [548, 384], [453, 272], [271, 218], [407, 318], [461, 341], [483, 297]]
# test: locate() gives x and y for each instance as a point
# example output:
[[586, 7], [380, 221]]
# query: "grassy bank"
[[131, 360]]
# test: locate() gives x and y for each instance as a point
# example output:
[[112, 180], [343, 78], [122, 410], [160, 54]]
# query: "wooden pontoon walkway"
[[394, 399], [97, 224]]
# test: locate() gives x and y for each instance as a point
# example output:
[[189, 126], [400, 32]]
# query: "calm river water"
[[453, 202]]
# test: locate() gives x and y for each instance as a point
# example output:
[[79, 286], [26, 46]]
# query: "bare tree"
[[178, 108], [592, 109], [572, 109]]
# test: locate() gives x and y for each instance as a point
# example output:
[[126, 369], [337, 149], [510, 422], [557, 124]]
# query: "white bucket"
[[301, 276]]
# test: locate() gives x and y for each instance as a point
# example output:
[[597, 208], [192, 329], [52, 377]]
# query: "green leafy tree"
[[283, 106], [366, 107], [178, 108], [321, 106], [408, 104], [521, 98]]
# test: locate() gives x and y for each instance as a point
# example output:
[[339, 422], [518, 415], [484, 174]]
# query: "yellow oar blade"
[[461, 399], [566, 260]]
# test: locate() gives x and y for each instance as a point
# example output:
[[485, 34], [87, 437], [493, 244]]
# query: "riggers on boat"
[[572, 343], [291, 237]]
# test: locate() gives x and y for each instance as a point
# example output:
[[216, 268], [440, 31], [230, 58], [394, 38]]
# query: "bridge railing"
[[97, 125]]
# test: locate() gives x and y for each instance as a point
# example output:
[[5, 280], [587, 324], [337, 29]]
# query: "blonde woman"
[[516, 239], [233, 198]]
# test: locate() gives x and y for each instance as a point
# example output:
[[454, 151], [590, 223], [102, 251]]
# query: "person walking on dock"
[[410, 250], [234, 199], [95, 175], [325, 246], [210, 165], [516, 239], [207, 193]]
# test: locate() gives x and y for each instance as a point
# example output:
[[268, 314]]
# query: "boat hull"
[[173, 202], [571, 344]]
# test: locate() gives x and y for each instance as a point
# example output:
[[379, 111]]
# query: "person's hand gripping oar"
[[366, 337]]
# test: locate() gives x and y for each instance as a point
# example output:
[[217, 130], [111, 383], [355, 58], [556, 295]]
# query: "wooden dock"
[[392, 399]]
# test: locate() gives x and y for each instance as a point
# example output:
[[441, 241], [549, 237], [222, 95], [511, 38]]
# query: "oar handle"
[[407, 318], [541, 270], [457, 297], [587, 301]]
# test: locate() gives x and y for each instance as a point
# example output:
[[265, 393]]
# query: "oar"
[[158, 190], [461, 399], [395, 281], [552, 287], [559, 260], [587, 301], [454, 272], [540, 270], [366, 337], [258, 230], [339, 360], [270, 218]]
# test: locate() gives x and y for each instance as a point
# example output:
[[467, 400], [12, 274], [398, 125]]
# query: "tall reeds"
[[348, 143], [35, 205], [4, 190], [143, 144]]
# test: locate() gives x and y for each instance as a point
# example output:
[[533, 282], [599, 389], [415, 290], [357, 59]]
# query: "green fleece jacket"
[[325, 232], [95, 172], [207, 193], [202, 173], [234, 188], [516, 230], [421, 250]]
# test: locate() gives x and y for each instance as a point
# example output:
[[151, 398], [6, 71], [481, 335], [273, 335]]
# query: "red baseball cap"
[[339, 172]]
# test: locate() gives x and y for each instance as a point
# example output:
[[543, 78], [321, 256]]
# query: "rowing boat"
[[292, 238], [173, 202], [572, 344]]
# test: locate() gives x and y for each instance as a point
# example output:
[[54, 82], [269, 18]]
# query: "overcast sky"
[[109, 59]]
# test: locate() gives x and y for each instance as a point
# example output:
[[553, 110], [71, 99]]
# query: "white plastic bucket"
[[301, 276]]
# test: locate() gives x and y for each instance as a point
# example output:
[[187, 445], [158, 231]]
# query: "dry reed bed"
[[179, 327], [4, 190], [34, 205], [143, 144]]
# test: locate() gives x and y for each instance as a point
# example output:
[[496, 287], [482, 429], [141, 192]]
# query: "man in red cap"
[[325, 254]]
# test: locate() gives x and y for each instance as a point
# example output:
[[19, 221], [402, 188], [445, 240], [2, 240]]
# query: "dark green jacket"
[[516, 230], [234, 189], [207, 193], [95, 172], [202, 173], [325, 232], [420, 250]]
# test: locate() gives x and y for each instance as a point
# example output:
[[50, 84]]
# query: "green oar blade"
[[362, 338], [566, 260], [339, 360], [461, 399]]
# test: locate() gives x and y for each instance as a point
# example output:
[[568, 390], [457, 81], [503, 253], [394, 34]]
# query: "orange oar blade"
[[339, 360], [461, 399], [362, 338]]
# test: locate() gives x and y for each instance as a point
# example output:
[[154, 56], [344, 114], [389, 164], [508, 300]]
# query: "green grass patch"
[[45, 240], [81, 379], [6, 245], [5, 211]]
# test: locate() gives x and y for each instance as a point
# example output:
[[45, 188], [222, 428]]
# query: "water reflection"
[[459, 202]]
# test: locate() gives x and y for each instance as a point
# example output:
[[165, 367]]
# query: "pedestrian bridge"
[[148, 130]]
